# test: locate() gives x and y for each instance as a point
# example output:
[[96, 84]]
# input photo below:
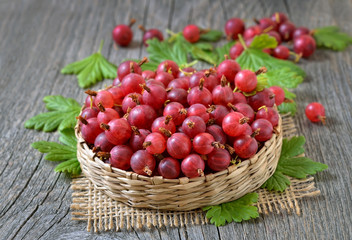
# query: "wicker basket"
[[181, 194]]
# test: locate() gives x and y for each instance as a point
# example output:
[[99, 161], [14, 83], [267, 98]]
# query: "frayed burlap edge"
[[103, 213]]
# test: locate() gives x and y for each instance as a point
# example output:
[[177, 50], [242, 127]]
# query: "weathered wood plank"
[[36, 200]]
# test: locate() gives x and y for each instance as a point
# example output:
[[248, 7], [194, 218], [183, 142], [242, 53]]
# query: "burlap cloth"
[[102, 213]]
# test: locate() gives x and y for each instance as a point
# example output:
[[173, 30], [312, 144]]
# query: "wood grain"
[[39, 37]]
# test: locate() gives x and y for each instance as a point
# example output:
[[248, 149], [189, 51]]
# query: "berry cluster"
[[175, 122], [123, 35], [277, 26]]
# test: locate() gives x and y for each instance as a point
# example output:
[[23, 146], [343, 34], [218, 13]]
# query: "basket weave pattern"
[[181, 194]]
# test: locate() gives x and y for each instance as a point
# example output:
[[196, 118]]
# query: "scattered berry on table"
[[122, 34], [315, 112]]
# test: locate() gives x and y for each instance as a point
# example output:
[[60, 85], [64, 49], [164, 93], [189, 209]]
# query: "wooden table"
[[39, 37]]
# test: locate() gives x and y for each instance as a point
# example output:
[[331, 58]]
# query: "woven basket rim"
[[156, 179]]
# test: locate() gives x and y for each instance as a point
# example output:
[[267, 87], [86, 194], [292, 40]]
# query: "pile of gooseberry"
[[176, 122], [277, 26]]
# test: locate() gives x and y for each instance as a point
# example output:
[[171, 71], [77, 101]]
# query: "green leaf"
[[190, 64], [161, 51], [291, 165], [289, 107], [300, 167], [262, 82], [263, 41], [204, 46], [255, 58], [177, 49], [288, 94], [220, 52], [283, 77], [277, 182], [55, 151], [65, 152], [70, 166], [199, 54], [292, 147], [238, 210], [211, 36], [67, 137], [150, 66], [91, 69], [332, 37], [61, 115], [180, 50]]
